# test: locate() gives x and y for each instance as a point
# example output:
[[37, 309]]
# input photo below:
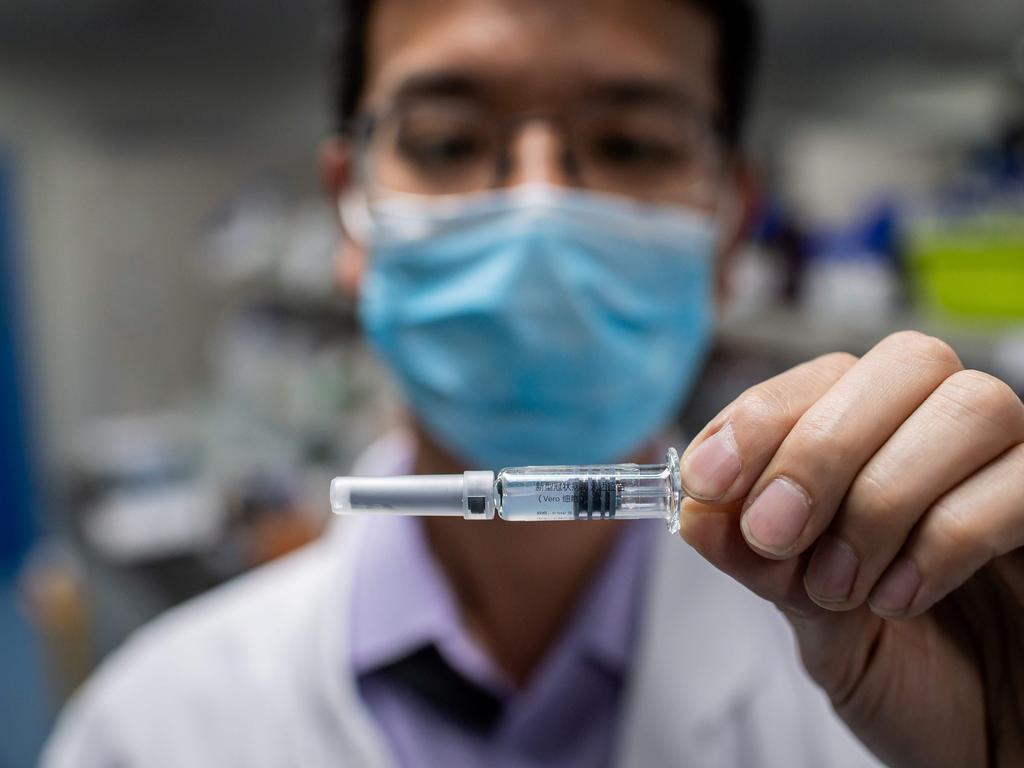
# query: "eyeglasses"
[[663, 153]]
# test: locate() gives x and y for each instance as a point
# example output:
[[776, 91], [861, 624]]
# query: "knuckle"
[[872, 500], [761, 407], [985, 395], [960, 529], [838, 362], [925, 348], [820, 433], [827, 369]]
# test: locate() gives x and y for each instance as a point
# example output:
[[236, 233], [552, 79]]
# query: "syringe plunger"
[[469, 495]]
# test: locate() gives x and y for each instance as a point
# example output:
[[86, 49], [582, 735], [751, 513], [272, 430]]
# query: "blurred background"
[[179, 378]]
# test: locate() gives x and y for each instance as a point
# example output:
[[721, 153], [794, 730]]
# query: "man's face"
[[516, 57]]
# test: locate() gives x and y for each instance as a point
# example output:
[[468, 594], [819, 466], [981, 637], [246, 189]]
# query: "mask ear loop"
[[354, 202], [354, 214]]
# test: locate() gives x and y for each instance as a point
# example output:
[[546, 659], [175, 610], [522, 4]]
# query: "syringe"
[[593, 492]]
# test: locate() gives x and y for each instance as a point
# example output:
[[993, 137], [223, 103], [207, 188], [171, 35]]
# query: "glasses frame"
[[360, 130]]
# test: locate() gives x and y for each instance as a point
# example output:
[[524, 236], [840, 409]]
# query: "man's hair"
[[736, 21]]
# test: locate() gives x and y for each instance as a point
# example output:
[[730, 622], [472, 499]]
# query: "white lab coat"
[[254, 675]]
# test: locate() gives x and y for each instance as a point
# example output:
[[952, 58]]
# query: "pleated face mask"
[[540, 324]]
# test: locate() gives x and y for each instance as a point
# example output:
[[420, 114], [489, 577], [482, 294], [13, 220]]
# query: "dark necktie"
[[426, 674]]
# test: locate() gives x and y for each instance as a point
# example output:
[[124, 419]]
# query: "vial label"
[[588, 498]]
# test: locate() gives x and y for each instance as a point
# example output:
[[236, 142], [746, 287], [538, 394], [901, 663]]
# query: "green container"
[[971, 268]]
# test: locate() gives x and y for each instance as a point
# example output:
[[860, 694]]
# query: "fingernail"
[[775, 520], [832, 570], [895, 591], [713, 466]]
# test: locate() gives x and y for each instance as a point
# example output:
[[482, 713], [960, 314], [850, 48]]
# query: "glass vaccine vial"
[[582, 492]]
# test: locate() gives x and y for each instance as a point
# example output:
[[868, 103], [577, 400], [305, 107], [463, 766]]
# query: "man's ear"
[[336, 175], [740, 206]]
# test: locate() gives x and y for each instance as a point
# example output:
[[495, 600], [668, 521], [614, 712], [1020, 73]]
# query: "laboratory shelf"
[[790, 333]]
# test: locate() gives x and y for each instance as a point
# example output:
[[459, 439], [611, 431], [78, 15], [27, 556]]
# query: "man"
[[539, 199]]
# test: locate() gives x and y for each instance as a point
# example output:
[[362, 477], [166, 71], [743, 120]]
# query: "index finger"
[[725, 459]]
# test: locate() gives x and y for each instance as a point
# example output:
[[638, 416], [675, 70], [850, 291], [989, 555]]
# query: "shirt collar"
[[402, 601]]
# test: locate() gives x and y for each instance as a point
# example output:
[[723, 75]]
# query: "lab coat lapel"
[[354, 733], [696, 662]]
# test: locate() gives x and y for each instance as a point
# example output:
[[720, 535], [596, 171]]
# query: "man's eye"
[[623, 149], [440, 149]]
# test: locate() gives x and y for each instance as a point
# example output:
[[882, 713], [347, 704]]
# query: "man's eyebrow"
[[437, 84], [641, 91], [622, 91]]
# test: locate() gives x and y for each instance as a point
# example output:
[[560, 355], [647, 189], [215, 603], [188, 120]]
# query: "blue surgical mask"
[[539, 324]]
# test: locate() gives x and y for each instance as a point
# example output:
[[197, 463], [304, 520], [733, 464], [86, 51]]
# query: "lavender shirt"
[[566, 716]]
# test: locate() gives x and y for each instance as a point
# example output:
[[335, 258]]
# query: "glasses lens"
[[433, 148], [660, 154]]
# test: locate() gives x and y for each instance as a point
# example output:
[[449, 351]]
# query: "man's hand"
[[879, 503]]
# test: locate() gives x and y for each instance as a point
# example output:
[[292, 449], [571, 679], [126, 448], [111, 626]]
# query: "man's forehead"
[[541, 49]]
